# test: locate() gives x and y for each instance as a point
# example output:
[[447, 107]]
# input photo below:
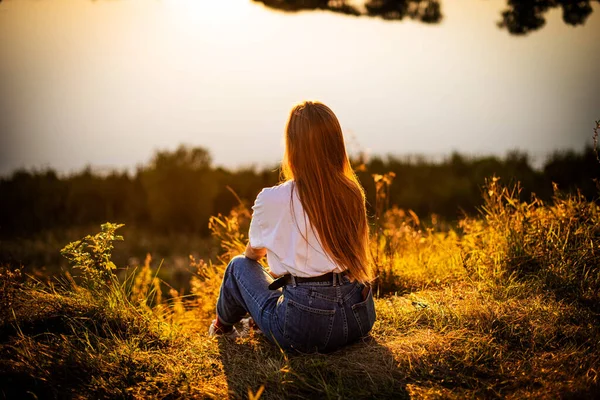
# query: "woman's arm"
[[255, 253]]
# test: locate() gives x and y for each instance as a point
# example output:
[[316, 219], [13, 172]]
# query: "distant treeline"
[[179, 190]]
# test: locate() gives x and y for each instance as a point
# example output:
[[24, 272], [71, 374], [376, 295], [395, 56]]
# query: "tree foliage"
[[177, 191], [520, 17], [180, 188]]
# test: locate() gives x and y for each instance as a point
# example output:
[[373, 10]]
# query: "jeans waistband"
[[329, 279]]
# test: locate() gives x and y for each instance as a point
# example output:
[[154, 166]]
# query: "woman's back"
[[280, 224]]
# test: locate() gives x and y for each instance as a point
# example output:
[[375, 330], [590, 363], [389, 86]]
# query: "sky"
[[107, 83]]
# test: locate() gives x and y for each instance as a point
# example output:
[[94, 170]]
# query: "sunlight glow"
[[154, 74], [210, 13]]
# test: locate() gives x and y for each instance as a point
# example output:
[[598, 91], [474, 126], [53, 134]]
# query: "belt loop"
[[334, 275], [293, 280]]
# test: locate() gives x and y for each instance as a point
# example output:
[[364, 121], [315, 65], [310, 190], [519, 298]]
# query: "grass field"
[[505, 305]]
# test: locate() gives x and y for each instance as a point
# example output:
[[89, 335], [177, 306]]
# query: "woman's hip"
[[311, 319]]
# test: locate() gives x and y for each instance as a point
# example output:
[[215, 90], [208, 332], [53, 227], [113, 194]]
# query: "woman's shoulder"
[[277, 193]]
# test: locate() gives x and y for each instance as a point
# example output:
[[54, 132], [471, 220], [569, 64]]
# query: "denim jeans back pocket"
[[308, 329], [364, 312]]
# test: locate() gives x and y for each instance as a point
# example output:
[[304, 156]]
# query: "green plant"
[[92, 255]]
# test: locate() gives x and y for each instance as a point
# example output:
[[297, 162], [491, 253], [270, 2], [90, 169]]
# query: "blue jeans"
[[307, 316]]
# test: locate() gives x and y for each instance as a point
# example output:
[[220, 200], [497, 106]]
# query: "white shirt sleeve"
[[255, 235]]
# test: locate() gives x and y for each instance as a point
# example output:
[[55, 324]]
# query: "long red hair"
[[331, 195]]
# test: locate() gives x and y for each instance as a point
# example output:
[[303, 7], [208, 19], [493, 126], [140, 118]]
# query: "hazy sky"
[[107, 83]]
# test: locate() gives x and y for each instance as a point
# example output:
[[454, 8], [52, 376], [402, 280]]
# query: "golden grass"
[[505, 306]]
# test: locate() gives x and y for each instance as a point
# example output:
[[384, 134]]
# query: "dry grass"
[[505, 306]]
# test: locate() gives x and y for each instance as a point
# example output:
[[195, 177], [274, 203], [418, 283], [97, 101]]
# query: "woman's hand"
[[254, 253]]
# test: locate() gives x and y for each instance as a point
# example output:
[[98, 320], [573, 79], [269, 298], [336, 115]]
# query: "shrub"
[[92, 255]]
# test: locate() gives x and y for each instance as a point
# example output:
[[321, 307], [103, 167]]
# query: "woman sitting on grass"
[[313, 230]]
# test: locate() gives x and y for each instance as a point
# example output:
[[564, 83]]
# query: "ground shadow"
[[363, 370]]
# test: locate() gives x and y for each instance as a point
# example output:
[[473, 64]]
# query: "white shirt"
[[282, 227]]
